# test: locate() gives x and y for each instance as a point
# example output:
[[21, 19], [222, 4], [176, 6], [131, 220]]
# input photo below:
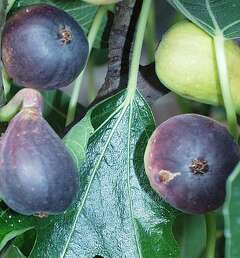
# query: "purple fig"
[[188, 160], [37, 173]]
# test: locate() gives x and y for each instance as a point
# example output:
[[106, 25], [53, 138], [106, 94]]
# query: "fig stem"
[[211, 234], [225, 85], [96, 25], [137, 50], [25, 98]]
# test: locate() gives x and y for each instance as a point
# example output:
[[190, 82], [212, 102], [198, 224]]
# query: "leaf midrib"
[[92, 178]]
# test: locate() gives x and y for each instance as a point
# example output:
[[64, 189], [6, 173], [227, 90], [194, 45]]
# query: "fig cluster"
[[43, 47], [188, 160]]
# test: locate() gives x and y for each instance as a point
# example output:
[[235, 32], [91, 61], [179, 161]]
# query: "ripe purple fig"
[[37, 173], [188, 159], [43, 47]]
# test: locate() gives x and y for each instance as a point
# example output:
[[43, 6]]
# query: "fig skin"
[[38, 175], [186, 64], [188, 159], [43, 47]]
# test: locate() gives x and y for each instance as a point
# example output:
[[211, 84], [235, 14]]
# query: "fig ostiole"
[[186, 64], [38, 175], [186, 162], [43, 47]]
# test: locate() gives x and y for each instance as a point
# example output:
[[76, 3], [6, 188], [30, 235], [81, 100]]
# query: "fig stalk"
[[25, 98]]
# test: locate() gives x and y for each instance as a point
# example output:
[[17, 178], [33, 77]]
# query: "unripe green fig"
[[101, 2], [37, 173], [186, 64]]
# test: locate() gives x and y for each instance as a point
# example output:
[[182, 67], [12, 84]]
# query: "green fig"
[[186, 64]]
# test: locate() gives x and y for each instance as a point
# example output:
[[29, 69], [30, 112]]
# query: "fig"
[[188, 160], [43, 47], [186, 64], [37, 173]]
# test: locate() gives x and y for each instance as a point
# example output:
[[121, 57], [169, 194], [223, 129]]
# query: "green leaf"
[[213, 16], [232, 215], [25, 242], [118, 214], [12, 225], [12, 252], [191, 231], [77, 139], [83, 12]]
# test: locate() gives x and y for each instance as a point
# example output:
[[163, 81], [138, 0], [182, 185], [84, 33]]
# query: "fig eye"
[[199, 166]]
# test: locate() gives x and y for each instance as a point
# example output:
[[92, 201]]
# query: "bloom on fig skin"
[[188, 160], [186, 64]]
